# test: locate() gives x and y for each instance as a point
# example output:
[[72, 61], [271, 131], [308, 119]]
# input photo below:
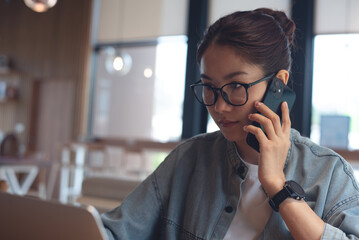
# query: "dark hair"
[[263, 37]]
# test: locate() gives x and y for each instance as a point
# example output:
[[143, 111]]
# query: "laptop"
[[32, 218]]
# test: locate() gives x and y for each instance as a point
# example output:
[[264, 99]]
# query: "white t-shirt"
[[253, 210]]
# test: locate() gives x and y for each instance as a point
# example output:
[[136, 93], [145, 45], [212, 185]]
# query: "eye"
[[235, 86], [207, 88]]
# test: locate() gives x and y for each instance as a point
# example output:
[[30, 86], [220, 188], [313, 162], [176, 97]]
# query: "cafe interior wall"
[[56, 47], [50, 52]]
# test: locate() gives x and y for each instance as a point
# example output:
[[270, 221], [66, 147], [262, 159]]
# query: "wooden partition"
[[51, 46]]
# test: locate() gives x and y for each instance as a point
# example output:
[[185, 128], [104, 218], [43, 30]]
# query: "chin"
[[234, 136]]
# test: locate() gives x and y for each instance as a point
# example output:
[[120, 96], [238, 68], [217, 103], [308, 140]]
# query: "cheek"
[[257, 95], [211, 112], [244, 112], [249, 108]]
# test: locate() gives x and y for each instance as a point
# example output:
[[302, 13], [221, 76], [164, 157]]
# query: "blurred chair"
[[74, 166], [18, 174], [131, 160], [105, 193]]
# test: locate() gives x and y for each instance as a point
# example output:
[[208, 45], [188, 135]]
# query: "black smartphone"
[[277, 92]]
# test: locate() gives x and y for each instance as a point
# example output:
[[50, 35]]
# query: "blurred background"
[[98, 90]]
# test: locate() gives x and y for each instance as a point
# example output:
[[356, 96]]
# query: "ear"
[[283, 75]]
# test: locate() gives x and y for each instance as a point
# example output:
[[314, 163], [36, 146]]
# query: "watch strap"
[[290, 189], [279, 198]]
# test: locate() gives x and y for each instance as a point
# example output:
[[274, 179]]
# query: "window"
[[335, 88], [139, 90], [211, 125]]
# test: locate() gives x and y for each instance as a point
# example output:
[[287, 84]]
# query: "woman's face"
[[220, 65]]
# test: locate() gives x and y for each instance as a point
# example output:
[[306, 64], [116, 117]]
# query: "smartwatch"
[[290, 189]]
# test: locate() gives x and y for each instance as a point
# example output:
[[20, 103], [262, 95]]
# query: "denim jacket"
[[194, 193]]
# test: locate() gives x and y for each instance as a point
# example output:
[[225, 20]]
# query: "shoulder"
[[303, 145], [317, 160]]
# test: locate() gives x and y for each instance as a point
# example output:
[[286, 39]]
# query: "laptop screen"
[[30, 218]]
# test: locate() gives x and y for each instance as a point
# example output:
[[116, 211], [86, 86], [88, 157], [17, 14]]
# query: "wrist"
[[291, 189], [274, 186]]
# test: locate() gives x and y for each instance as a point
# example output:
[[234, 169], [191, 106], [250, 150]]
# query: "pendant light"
[[40, 5]]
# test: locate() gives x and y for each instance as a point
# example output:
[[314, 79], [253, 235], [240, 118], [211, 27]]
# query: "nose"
[[221, 105]]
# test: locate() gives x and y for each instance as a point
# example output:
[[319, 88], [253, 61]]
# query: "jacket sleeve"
[[331, 233], [342, 219], [138, 216]]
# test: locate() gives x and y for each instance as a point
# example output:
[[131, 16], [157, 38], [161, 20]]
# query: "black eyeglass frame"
[[215, 90]]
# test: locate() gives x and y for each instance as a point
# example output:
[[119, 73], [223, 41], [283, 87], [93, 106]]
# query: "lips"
[[227, 123]]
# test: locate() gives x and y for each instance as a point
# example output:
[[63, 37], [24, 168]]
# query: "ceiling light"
[[117, 61], [40, 5], [147, 72]]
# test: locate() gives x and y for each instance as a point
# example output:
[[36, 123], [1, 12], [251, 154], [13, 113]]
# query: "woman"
[[215, 186]]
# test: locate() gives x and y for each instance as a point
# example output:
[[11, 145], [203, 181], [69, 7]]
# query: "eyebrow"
[[234, 74], [205, 76], [227, 77]]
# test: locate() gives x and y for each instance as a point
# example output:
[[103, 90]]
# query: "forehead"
[[218, 61]]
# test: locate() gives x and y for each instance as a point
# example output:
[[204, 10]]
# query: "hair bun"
[[286, 23]]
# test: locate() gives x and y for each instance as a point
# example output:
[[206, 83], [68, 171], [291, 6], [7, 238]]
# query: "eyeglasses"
[[234, 93]]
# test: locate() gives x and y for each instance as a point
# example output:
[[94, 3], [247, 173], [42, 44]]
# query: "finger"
[[256, 131], [267, 112], [265, 122], [286, 123]]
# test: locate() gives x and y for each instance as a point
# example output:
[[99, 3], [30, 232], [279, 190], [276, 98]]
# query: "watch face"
[[296, 188]]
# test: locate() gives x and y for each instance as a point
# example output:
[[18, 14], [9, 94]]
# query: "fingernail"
[[258, 104], [245, 128], [249, 116]]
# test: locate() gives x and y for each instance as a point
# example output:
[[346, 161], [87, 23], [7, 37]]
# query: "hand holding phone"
[[277, 92]]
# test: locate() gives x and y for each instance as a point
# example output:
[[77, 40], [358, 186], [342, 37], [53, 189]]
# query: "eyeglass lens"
[[233, 93]]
